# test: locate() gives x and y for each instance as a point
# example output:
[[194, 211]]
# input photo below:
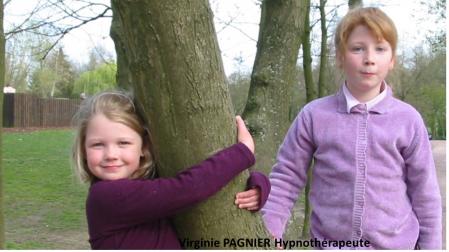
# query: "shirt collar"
[[351, 101]]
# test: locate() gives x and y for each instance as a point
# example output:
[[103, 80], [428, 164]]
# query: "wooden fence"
[[26, 110]]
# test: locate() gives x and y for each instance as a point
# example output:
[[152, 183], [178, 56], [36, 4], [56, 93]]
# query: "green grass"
[[44, 203]]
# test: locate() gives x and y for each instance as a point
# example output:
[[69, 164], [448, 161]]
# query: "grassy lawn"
[[44, 202]]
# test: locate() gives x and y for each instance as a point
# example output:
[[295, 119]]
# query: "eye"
[[124, 143], [96, 145], [381, 49], [356, 49]]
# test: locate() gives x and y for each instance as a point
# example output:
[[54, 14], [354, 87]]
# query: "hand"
[[243, 135], [248, 200]]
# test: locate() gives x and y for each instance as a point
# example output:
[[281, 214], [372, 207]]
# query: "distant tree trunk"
[[176, 71], [307, 55], [272, 82], [2, 83], [310, 95], [355, 3], [322, 79]]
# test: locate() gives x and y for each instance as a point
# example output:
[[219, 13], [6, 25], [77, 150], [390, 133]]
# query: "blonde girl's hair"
[[381, 26], [119, 107]]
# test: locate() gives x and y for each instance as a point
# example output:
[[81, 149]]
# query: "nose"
[[110, 153], [369, 58]]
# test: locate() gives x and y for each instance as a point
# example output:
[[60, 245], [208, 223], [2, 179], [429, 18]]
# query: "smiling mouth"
[[111, 167]]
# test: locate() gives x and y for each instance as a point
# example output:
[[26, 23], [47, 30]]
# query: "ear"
[[339, 60], [143, 147], [141, 151]]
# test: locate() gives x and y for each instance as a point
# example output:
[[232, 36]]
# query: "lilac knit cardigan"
[[373, 176]]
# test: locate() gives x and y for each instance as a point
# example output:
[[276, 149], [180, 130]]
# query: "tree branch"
[[54, 24]]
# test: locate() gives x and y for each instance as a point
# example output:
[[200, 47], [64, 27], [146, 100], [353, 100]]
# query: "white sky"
[[238, 39]]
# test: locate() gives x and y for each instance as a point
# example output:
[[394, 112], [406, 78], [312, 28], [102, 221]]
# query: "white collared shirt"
[[351, 101]]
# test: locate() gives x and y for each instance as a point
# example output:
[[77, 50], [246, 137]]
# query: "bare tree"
[[57, 18], [307, 55], [322, 78]]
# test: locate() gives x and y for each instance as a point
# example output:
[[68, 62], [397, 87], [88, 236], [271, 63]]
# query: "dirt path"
[[439, 155]]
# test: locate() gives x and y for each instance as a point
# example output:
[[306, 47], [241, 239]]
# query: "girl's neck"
[[366, 96]]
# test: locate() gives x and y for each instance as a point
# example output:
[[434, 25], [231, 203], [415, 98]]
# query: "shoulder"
[[319, 107], [404, 112], [407, 122], [323, 103]]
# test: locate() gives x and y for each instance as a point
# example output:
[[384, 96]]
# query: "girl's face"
[[113, 150], [366, 62]]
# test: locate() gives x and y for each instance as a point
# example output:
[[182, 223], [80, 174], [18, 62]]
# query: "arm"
[[121, 203], [289, 174], [423, 190]]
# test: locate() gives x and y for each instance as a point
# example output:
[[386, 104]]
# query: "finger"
[[253, 208], [247, 205], [243, 135], [248, 200], [241, 127], [250, 208], [246, 194]]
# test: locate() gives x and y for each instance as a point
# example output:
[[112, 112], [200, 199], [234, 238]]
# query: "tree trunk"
[[322, 78], [310, 95], [355, 3], [307, 55], [176, 71], [2, 82], [321, 92], [270, 97], [123, 72], [273, 77]]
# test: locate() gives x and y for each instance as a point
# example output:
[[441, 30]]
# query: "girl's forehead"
[[364, 32], [101, 123]]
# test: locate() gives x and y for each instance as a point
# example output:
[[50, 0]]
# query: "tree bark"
[[273, 77], [270, 98], [307, 55], [322, 78], [355, 3], [310, 95], [123, 75], [2, 83], [175, 69]]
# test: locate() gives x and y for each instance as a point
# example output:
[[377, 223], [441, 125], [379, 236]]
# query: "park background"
[[46, 58]]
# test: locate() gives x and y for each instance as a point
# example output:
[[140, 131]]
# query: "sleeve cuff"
[[258, 179]]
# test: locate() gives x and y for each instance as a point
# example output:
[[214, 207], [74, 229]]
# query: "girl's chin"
[[368, 85]]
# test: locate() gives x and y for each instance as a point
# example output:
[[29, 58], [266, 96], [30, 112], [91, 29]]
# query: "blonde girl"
[[127, 206]]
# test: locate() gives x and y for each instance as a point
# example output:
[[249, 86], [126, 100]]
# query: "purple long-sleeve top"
[[134, 214], [373, 178]]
